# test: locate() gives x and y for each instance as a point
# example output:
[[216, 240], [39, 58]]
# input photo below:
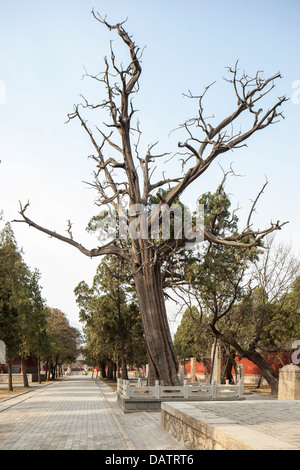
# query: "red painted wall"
[[276, 360]]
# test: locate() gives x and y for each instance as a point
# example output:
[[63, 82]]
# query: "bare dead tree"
[[130, 175]]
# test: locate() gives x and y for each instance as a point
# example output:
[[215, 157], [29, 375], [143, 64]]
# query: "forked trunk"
[[162, 360]]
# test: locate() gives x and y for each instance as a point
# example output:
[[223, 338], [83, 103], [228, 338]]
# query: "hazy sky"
[[44, 48]]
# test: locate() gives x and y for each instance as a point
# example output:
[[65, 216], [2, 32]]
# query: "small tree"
[[213, 281], [111, 316], [12, 270], [64, 340], [262, 319], [191, 339], [267, 319], [31, 322]]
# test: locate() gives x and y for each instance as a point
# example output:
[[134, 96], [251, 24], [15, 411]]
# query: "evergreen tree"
[[112, 321], [11, 276]]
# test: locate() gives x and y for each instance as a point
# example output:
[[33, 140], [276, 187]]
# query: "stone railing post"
[[216, 362], [185, 389], [289, 383], [127, 393], [181, 374], [214, 386], [157, 389], [240, 377]]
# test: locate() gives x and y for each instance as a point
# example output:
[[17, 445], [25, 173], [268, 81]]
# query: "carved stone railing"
[[213, 390], [17, 378]]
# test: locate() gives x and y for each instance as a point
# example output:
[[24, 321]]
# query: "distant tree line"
[[27, 326], [114, 337]]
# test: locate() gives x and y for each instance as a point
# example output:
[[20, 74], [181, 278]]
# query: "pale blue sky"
[[44, 47]]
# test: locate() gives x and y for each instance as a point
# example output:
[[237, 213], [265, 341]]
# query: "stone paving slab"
[[81, 413], [248, 425], [141, 430], [78, 413]]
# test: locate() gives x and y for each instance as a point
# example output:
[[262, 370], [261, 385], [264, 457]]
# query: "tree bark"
[[54, 372], [103, 371], [10, 383], [124, 374], [24, 372], [110, 374], [47, 369], [39, 370], [163, 365], [267, 372]]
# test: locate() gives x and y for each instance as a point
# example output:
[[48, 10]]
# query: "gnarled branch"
[[108, 249]]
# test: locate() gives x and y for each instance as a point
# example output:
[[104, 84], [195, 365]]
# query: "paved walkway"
[[80, 413], [77, 413]]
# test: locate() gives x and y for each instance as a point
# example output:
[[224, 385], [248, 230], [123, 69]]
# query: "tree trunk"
[[124, 374], [10, 383], [110, 370], [46, 370], [51, 371], [226, 373], [39, 370], [54, 372], [24, 372], [267, 372], [103, 371], [228, 363], [162, 360], [259, 381]]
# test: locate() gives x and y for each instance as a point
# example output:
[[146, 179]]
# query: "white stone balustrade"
[[188, 391]]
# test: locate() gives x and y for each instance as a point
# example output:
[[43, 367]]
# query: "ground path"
[[77, 413], [81, 413]]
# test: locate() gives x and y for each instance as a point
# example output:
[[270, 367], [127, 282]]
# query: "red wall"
[[277, 361], [29, 361]]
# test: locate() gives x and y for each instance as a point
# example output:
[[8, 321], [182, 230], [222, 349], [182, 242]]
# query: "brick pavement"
[[80, 413], [77, 413]]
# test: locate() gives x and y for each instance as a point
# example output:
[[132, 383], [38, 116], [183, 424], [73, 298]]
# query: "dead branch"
[[254, 204], [204, 143], [110, 248]]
